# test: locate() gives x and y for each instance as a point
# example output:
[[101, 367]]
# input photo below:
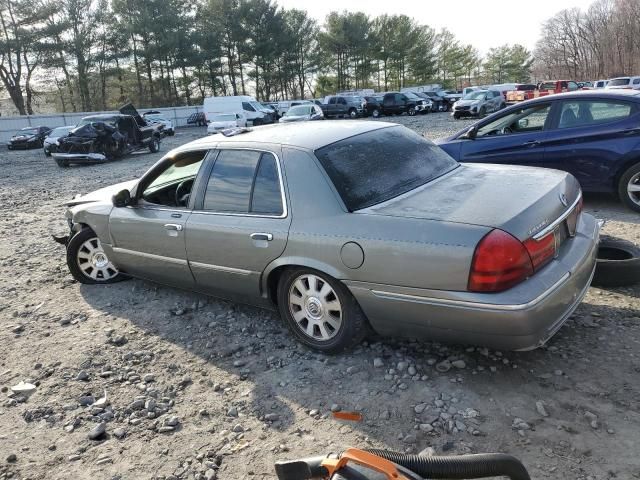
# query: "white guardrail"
[[10, 125]]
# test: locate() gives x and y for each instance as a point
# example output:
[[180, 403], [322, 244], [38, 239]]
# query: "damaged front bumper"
[[79, 157]]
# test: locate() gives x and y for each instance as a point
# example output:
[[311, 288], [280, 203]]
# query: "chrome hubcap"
[[315, 307], [633, 189], [93, 262]]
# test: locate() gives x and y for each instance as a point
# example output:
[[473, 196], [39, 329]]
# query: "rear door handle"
[[173, 226], [531, 143], [262, 236]]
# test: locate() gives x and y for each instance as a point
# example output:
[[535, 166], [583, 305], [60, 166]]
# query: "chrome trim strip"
[[466, 304], [220, 268], [151, 256], [549, 228], [285, 210]]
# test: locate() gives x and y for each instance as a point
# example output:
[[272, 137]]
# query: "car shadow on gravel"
[[251, 348]]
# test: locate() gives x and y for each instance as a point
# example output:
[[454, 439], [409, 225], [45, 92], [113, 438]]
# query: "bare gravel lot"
[[198, 388]]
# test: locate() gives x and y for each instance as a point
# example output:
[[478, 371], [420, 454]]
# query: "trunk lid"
[[519, 200]]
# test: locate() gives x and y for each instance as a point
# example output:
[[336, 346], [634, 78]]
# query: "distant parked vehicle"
[[452, 96], [248, 106], [28, 137], [478, 104], [600, 83], [223, 121], [629, 83], [198, 119], [592, 134], [351, 106], [438, 102], [157, 117], [396, 103], [519, 93], [50, 143], [426, 98], [547, 88], [373, 105], [285, 105], [301, 113]]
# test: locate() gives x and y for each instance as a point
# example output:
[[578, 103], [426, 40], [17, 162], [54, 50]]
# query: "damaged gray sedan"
[[346, 227]]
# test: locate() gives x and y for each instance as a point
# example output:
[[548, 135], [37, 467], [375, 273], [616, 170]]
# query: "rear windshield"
[[401, 160], [616, 82]]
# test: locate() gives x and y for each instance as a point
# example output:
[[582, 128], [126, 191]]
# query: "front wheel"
[[87, 261], [375, 113], [320, 311], [629, 187], [411, 111], [353, 113], [483, 112], [154, 145], [62, 163]]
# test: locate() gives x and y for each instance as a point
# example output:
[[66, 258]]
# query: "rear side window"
[[401, 160], [619, 82], [581, 113], [229, 186], [244, 181], [266, 197]]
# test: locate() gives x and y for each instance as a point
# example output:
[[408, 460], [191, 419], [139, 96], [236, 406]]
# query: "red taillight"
[[499, 262], [541, 251]]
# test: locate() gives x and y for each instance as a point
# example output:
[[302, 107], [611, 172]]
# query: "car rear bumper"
[[80, 157], [522, 318]]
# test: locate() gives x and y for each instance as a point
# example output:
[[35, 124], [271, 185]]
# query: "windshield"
[[402, 160], [89, 120], [182, 169], [616, 82], [155, 117], [228, 117], [27, 131], [412, 96], [60, 131], [259, 107], [475, 95], [298, 110]]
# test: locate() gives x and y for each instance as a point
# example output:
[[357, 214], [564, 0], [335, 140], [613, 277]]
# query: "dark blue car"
[[594, 135]]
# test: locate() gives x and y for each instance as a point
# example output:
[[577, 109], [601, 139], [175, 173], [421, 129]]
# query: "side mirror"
[[523, 123], [121, 199], [471, 133]]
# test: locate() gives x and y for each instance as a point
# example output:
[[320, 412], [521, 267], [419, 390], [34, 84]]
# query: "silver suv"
[[478, 104]]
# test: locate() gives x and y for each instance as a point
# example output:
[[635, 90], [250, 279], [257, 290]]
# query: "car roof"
[[602, 93], [105, 116], [309, 135]]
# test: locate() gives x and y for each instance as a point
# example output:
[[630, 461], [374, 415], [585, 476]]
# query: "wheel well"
[[272, 282]]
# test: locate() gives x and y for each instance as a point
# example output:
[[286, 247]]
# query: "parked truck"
[[543, 88], [351, 106]]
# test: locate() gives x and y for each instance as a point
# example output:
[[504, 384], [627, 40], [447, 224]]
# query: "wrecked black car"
[[100, 138]]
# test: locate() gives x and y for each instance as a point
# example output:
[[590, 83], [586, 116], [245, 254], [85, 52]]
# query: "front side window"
[[171, 184], [244, 181], [636, 81], [401, 160], [581, 113], [247, 106], [522, 120]]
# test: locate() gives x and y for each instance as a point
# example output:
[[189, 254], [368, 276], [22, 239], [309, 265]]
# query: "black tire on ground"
[[154, 145], [353, 326], [62, 163], [618, 263], [482, 112], [353, 113], [375, 113], [74, 247], [411, 111], [172, 133], [9, 147], [47, 153], [456, 116], [630, 177]]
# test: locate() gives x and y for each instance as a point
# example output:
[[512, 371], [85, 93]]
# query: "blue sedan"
[[594, 135]]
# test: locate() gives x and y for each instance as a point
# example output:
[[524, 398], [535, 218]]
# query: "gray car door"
[[239, 225], [148, 238]]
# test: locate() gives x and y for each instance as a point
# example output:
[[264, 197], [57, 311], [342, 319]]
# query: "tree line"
[[600, 42], [98, 54]]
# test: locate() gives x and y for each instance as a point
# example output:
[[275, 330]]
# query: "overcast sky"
[[484, 24]]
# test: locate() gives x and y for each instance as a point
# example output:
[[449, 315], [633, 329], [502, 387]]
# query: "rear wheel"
[[154, 145], [62, 163], [629, 187], [375, 113], [87, 261], [320, 311]]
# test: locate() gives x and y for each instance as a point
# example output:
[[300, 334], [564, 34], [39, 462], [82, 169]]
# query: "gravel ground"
[[136, 380]]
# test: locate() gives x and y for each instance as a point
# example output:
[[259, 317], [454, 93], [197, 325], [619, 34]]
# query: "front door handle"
[[531, 143], [262, 236], [173, 226]]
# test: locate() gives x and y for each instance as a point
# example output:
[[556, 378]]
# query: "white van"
[[631, 83], [245, 105]]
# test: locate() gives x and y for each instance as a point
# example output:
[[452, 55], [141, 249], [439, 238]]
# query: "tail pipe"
[[459, 466]]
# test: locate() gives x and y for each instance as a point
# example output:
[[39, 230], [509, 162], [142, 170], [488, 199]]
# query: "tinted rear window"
[[617, 82], [399, 159]]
